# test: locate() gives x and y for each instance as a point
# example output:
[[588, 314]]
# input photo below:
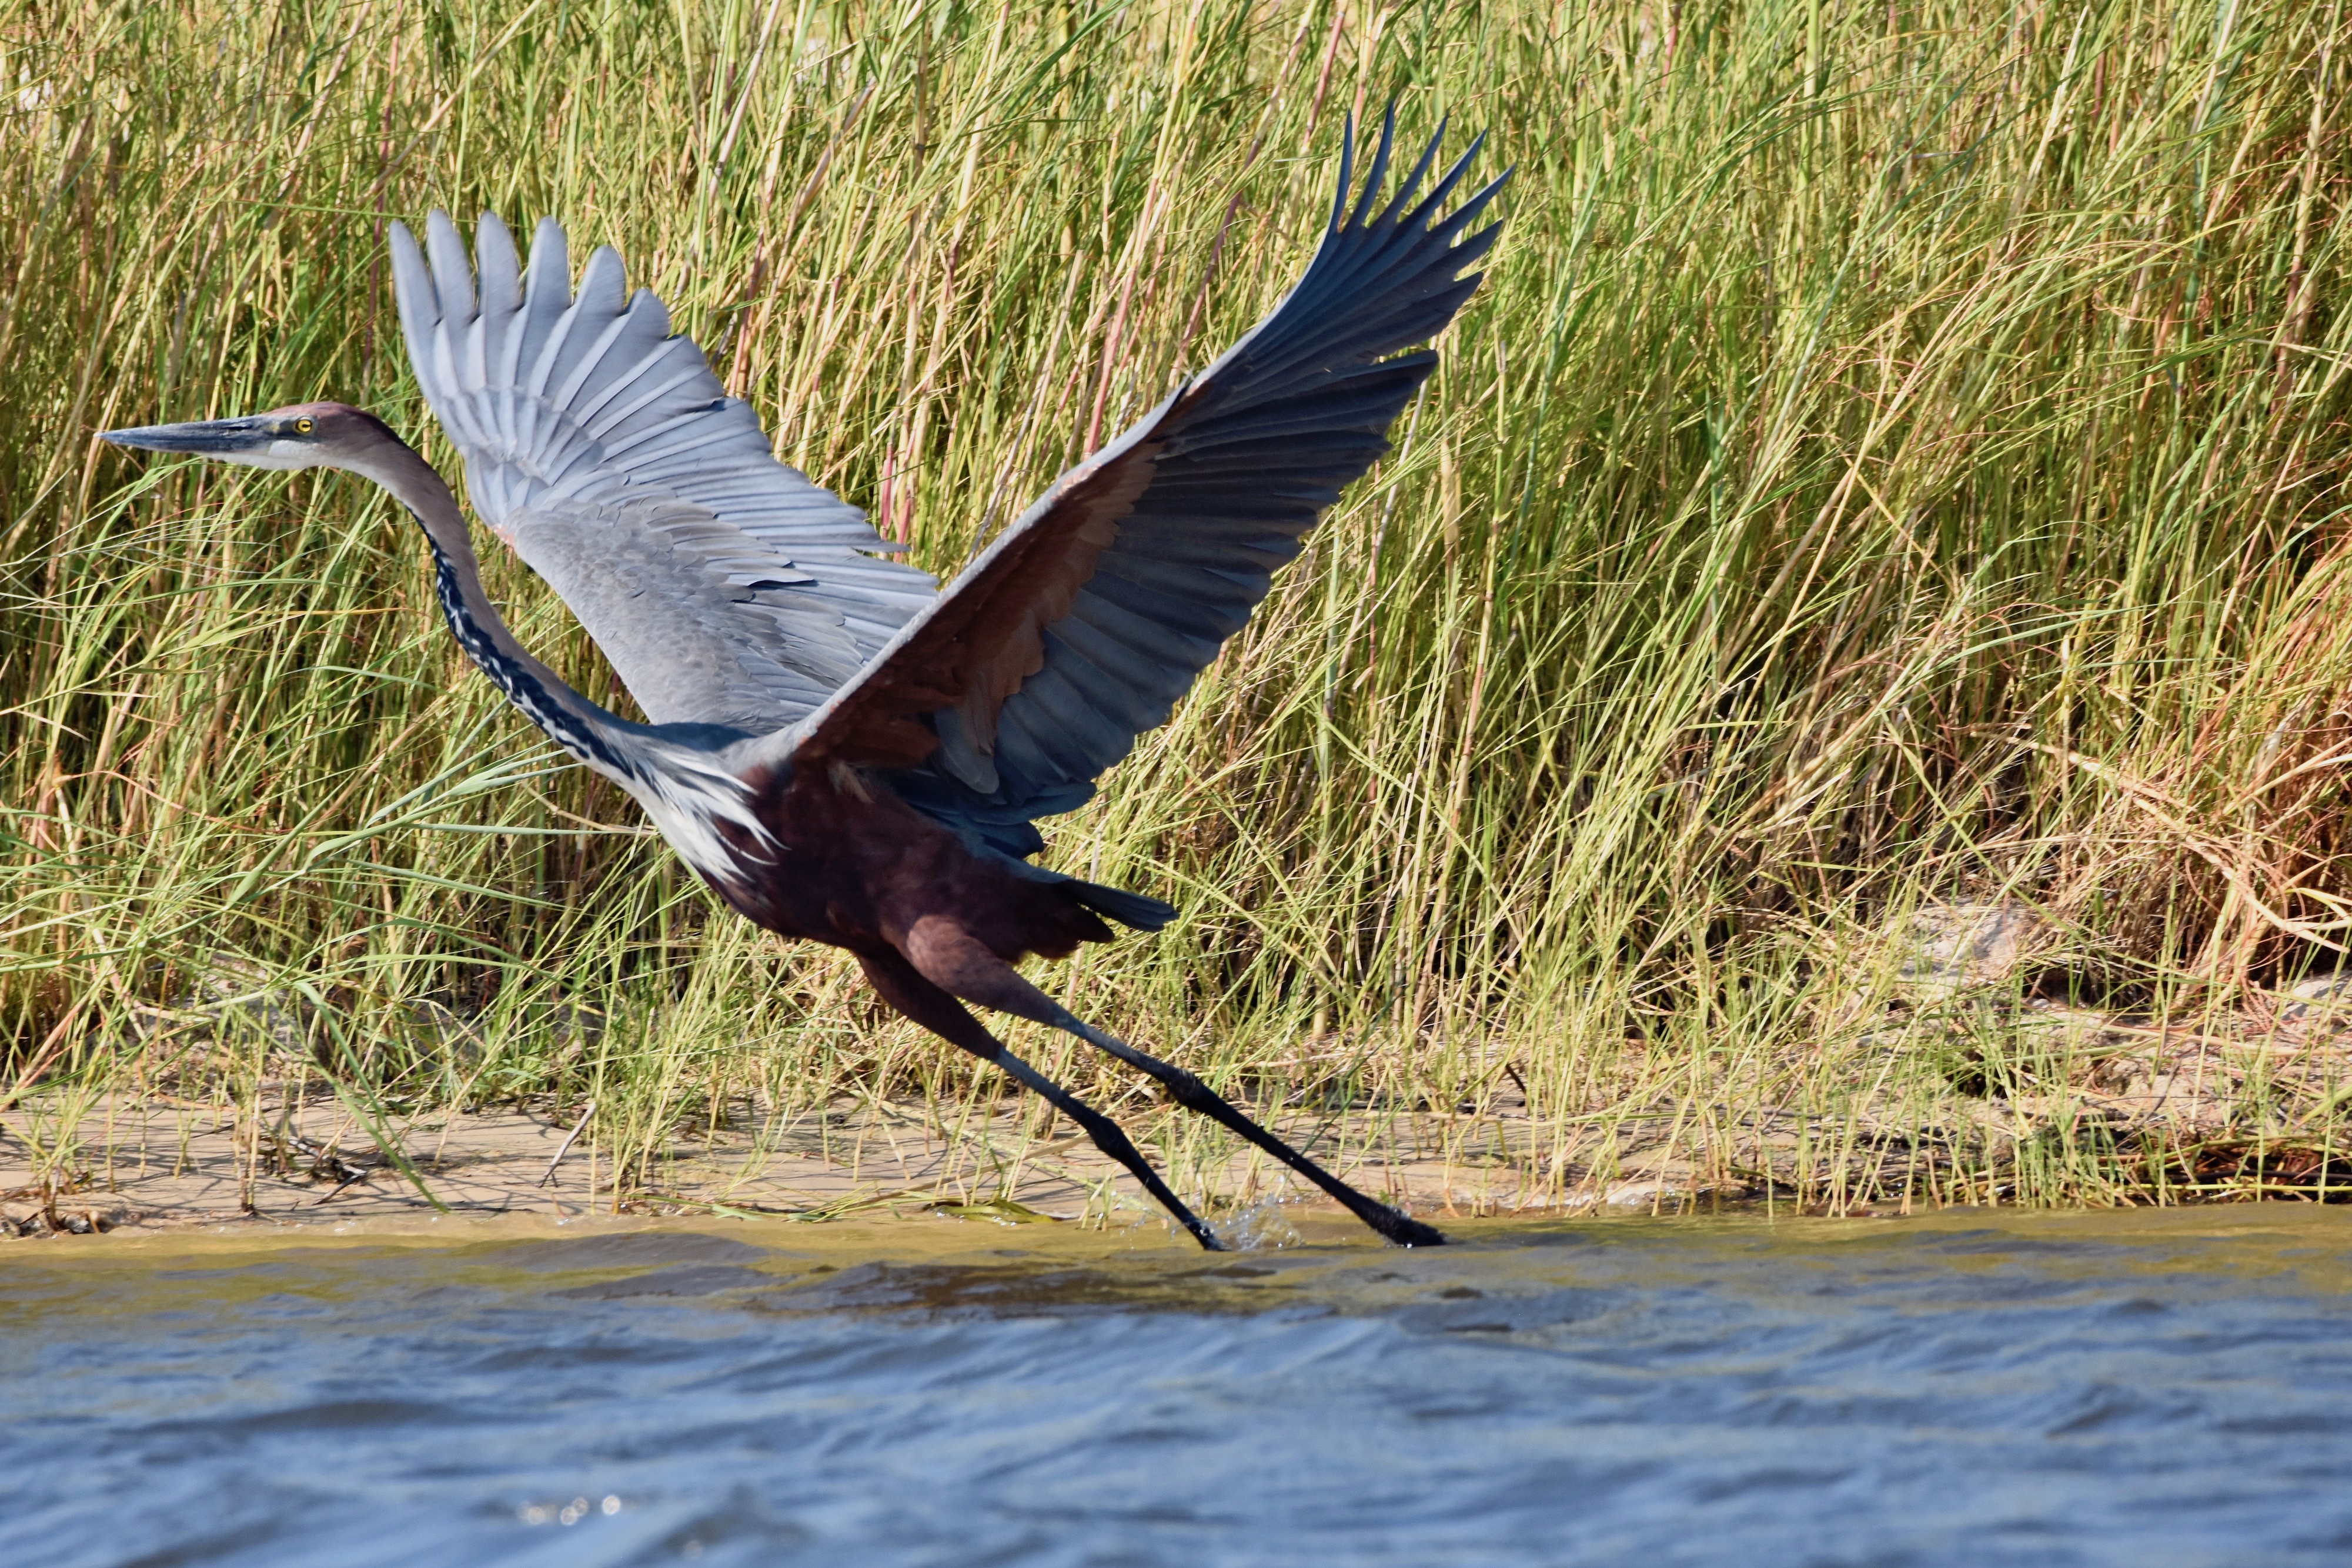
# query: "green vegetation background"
[[1898, 453]]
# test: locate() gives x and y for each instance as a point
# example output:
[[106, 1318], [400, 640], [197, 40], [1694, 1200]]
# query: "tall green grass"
[[1898, 453]]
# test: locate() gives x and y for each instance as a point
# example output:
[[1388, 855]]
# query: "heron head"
[[305, 435]]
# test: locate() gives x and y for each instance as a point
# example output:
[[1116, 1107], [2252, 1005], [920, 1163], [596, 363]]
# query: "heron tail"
[[1132, 909]]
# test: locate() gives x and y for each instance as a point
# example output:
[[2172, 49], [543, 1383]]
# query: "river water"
[[2167, 1389]]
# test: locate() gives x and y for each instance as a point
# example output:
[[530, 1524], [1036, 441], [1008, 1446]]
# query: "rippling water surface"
[[2144, 1389]]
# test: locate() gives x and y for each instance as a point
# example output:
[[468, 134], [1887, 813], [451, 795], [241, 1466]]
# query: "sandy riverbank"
[[2157, 1115], [156, 1164]]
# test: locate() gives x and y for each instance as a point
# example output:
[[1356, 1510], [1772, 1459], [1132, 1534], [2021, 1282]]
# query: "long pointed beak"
[[208, 438]]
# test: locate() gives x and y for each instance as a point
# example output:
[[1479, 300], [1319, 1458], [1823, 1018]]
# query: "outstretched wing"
[[724, 587], [1077, 629]]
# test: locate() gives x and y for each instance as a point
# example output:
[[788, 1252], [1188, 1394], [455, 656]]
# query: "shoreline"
[[2164, 1132], [155, 1164]]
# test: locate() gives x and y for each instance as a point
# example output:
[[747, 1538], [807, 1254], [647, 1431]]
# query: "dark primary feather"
[[1080, 626]]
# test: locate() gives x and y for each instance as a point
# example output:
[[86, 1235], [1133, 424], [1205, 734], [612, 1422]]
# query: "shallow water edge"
[[1966, 1389]]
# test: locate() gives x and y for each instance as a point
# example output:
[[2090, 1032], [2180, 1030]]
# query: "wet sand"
[[157, 1165]]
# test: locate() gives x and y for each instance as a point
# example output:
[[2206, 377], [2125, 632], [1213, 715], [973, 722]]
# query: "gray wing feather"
[[649, 576], [724, 586]]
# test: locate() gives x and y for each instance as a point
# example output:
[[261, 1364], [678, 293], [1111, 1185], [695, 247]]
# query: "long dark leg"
[[957, 962], [904, 988], [1195, 1095]]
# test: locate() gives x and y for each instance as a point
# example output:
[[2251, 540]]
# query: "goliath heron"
[[844, 754]]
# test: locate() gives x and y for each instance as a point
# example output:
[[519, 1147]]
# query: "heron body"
[[844, 753]]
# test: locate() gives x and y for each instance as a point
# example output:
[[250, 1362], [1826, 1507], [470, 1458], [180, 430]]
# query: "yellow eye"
[[302, 426]]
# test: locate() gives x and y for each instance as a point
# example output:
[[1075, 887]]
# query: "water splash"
[[1262, 1227]]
